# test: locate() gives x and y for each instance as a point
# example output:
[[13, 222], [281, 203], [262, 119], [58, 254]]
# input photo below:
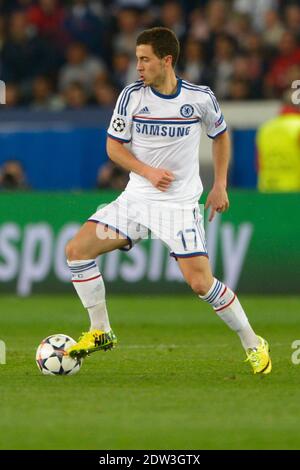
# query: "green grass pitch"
[[176, 381]]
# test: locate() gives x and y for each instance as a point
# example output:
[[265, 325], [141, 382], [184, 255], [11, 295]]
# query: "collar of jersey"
[[169, 97]]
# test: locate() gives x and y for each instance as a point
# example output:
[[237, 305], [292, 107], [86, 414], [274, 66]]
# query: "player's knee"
[[199, 285], [73, 251]]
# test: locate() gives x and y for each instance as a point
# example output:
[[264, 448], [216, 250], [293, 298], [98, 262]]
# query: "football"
[[52, 359]]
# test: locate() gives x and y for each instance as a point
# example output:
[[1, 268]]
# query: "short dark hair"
[[163, 41]]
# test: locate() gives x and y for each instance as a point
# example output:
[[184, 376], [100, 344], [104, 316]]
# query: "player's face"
[[151, 69]]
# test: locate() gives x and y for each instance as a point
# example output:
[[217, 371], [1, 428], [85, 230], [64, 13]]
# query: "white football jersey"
[[164, 132]]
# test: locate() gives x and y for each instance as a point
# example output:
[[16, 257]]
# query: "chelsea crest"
[[186, 110]]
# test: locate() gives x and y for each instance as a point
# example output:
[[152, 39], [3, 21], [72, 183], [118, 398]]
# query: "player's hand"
[[160, 178], [217, 200]]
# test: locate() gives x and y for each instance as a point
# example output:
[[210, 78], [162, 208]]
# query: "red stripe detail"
[[225, 306], [164, 119], [223, 292], [90, 279]]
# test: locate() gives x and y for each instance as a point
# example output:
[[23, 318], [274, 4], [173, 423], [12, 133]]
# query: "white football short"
[[182, 230]]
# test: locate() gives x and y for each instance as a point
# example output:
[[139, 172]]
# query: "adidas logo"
[[144, 110]]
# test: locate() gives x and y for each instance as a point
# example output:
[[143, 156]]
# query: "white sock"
[[228, 308], [89, 285]]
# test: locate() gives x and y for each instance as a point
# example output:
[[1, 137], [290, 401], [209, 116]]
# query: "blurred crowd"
[[12, 176], [58, 54]]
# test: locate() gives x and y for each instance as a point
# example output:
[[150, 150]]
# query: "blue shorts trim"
[[189, 255], [117, 231]]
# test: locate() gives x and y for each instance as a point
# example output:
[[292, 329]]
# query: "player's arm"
[[119, 154], [216, 129], [217, 199]]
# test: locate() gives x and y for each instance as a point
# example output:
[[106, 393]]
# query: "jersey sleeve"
[[213, 118], [121, 121]]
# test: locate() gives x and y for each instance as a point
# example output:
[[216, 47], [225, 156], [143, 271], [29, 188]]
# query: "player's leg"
[[197, 273], [92, 240], [115, 226]]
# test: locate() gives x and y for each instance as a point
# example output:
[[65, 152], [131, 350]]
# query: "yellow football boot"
[[259, 358], [92, 341]]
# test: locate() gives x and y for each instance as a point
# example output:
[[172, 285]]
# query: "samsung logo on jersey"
[[162, 131]]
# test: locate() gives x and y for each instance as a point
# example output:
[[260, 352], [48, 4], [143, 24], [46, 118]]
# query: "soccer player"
[[161, 116]]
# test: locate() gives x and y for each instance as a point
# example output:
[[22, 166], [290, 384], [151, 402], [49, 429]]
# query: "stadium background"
[[64, 64]]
